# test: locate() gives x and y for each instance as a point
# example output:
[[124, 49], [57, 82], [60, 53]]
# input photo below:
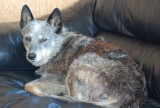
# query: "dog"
[[75, 67]]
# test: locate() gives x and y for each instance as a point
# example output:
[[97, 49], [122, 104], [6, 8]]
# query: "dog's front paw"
[[34, 89]]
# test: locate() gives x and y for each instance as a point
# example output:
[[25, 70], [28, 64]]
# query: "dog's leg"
[[46, 86]]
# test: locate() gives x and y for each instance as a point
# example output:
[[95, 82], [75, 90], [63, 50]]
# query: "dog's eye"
[[28, 39], [43, 40]]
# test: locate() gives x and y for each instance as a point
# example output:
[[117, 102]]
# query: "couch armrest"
[[12, 52]]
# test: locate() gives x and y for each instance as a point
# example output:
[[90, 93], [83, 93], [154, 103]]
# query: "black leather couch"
[[132, 24]]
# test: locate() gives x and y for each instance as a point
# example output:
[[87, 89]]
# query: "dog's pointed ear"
[[26, 16], [55, 19]]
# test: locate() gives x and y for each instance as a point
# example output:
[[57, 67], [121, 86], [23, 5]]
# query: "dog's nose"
[[31, 56]]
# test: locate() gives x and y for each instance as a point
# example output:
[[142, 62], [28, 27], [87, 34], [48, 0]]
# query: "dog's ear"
[[26, 16], [55, 19]]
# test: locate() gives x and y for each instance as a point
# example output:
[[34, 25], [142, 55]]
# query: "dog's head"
[[41, 38]]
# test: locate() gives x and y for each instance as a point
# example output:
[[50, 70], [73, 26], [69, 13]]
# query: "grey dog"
[[75, 67]]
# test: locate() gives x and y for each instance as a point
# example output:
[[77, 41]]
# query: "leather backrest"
[[135, 18], [80, 17]]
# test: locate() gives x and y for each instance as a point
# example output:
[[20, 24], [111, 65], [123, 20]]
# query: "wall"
[[10, 9]]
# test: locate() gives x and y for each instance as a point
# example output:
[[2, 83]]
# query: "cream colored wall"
[[10, 9]]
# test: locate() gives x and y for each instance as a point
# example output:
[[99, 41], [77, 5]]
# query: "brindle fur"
[[82, 68]]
